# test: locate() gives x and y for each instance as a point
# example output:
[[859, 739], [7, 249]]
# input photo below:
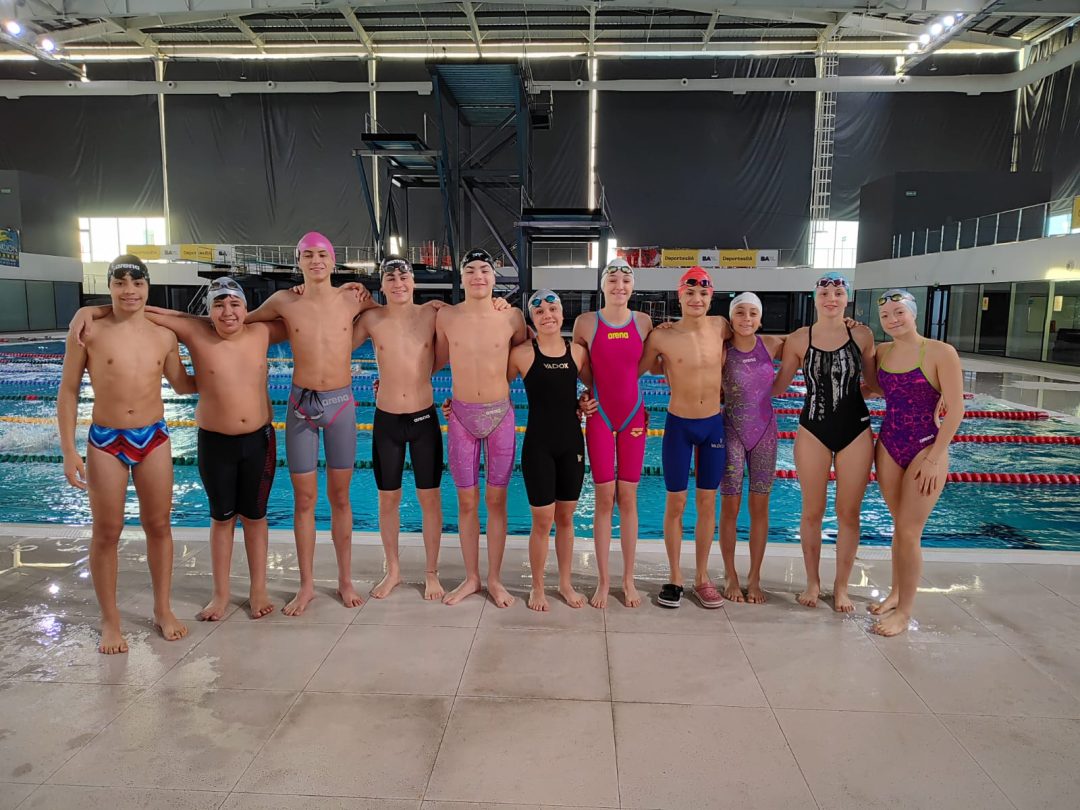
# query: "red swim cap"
[[313, 240], [695, 277]]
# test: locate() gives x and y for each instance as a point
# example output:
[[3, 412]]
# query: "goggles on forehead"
[[704, 283], [828, 281], [224, 284], [612, 270], [896, 297], [118, 271], [396, 266], [550, 298]]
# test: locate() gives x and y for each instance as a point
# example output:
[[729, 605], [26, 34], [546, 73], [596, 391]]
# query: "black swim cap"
[[394, 264], [477, 255], [128, 265]]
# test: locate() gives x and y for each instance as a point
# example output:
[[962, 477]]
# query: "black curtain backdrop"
[[696, 169], [878, 134], [106, 149], [1050, 122]]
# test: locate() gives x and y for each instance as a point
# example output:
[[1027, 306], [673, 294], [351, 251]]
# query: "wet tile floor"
[[407, 704]]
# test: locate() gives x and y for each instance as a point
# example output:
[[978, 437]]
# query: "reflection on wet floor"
[[1033, 385], [395, 703]]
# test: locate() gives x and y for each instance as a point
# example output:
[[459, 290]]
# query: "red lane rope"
[[979, 477], [981, 438], [1010, 415]]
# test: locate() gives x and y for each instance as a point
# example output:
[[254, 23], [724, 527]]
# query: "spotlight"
[[949, 21], [47, 45], [924, 39], [12, 28], [912, 47], [936, 29]]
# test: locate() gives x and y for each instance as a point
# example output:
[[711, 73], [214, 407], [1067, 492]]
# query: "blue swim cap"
[[901, 297]]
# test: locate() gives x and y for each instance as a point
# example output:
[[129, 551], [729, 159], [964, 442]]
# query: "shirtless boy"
[[691, 355], [477, 340], [319, 324], [128, 438], [237, 444]]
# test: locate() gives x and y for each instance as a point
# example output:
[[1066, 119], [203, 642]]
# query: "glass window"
[[1058, 224], [1028, 319], [833, 243], [41, 310], [964, 302], [102, 239], [1065, 323], [13, 315]]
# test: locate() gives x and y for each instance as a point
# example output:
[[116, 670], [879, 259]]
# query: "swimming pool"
[[968, 515]]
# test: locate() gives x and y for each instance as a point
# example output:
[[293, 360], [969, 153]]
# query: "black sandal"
[[670, 595]]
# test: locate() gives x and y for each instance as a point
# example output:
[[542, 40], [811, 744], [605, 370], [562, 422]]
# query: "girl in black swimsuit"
[[553, 451], [834, 429]]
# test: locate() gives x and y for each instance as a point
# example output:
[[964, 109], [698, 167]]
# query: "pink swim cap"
[[312, 241]]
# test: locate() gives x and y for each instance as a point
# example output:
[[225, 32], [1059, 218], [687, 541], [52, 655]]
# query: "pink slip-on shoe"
[[708, 596]]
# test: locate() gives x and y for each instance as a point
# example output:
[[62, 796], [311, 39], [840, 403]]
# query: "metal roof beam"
[[245, 29], [897, 28], [359, 30], [710, 30], [470, 13], [946, 36], [140, 37], [41, 56]]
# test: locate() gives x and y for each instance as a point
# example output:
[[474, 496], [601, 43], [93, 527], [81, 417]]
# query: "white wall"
[[1055, 257], [38, 267], [651, 279], [96, 282]]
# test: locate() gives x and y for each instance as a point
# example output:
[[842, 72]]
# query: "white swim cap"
[[745, 298]]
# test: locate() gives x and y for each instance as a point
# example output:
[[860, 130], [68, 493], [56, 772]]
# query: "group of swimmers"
[[720, 422]]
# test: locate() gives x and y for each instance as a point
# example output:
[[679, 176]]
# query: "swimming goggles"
[[118, 271], [395, 266], [550, 298], [224, 283], [704, 283], [828, 281], [897, 297], [612, 269]]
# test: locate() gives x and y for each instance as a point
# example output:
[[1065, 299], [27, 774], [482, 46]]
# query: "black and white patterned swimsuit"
[[834, 409]]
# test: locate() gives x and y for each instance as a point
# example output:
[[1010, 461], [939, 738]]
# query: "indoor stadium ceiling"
[[87, 29]]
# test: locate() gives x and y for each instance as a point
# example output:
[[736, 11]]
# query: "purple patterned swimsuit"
[[749, 420], [911, 403]]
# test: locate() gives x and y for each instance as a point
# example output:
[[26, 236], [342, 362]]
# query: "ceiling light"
[[924, 39], [949, 21], [12, 28], [47, 45], [936, 29], [912, 47]]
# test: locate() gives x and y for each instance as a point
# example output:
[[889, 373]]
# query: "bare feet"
[[631, 597], [433, 589], [214, 610], [112, 640], [841, 601], [732, 588], [572, 597], [499, 595], [537, 599], [299, 603], [349, 597], [892, 625], [890, 603], [466, 588], [809, 597], [170, 627], [599, 598], [754, 594], [387, 584], [259, 603]]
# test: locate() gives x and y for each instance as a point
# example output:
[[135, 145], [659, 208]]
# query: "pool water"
[[968, 515]]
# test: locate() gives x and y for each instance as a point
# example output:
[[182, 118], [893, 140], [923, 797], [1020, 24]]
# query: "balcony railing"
[[1014, 225]]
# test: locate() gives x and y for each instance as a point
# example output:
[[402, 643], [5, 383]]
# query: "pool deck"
[[407, 704]]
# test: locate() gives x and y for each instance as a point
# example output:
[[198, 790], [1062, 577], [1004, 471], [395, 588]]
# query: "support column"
[[373, 104], [159, 76]]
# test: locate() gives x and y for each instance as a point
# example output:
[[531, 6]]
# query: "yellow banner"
[[197, 253], [1076, 213], [678, 258], [147, 253], [738, 258]]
